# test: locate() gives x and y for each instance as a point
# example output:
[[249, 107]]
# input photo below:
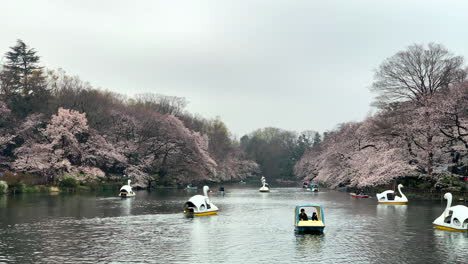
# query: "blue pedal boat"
[[309, 226]]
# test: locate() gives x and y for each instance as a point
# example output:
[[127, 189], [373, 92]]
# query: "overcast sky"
[[296, 65]]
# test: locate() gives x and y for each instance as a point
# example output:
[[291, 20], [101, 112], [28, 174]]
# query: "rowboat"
[[360, 195]]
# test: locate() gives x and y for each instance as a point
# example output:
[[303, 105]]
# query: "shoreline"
[[412, 193]]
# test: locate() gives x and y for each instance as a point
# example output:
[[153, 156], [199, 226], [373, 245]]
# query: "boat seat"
[[310, 223]]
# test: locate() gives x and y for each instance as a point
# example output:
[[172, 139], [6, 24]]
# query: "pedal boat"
[[126, 191], [313, 187], [309, 226], [200, 205], [191, 187], [388, 197], [265, 187], [454, 218]]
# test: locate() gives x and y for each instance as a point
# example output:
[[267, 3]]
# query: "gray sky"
[[296, 65]]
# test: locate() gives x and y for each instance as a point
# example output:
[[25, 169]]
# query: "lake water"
[[251, 227]]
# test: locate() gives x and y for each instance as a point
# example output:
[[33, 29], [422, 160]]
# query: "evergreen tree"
[[22, 81], [317, 140]]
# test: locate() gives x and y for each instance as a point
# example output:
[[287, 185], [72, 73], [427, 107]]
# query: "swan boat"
[[388, 197], [191, 187], [309, 226], [200, 204], [126, 191], [265, 187], [454, 218]]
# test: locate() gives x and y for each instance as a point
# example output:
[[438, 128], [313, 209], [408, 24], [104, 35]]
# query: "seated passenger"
[[314, 217], [303, 216]]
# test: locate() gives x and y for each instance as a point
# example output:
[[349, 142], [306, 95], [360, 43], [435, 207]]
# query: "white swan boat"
[[265, 187], [388, 197], [454, 218], [126, 191], [200, 204], [191, 187]]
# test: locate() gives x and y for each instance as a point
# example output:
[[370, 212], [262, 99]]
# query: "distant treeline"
[[277, 150], [419, 131]]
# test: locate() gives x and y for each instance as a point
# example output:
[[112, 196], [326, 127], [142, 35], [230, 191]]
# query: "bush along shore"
[[15, 183], [421, 188]]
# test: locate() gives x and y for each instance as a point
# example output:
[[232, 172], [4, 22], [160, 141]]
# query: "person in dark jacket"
[[314, 217], [303, 216]]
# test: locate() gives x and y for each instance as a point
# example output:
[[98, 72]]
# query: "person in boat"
[[303, 216], [314, 216]]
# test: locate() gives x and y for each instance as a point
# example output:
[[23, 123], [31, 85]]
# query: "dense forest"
[[55, 127], [277, 150], [420, 130]]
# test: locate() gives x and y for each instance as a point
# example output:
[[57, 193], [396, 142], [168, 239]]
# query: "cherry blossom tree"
[[65, 146], [160, 144], [357, 154], [234, 167], [6, 136], [451, 108]]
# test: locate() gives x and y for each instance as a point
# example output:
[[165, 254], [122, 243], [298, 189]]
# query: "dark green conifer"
[[23, 82]]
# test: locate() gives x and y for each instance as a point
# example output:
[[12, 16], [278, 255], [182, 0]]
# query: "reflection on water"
[[3, 200], [251, 227], [126, 206], [309, 244], [454, 242]]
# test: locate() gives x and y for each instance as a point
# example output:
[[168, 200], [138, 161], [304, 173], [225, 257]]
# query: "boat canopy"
[[126, 188], [318, 210]]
